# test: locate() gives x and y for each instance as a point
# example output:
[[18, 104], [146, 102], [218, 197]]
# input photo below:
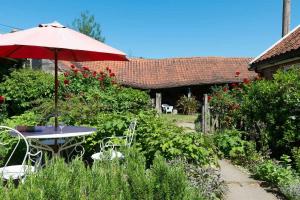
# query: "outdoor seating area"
[[170, 119], [72, 137]]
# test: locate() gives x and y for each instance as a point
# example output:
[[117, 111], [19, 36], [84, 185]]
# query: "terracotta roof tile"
[[289, 43], [174, 72]]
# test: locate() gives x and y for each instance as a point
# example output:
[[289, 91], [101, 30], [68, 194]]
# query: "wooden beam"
[[158, 102]]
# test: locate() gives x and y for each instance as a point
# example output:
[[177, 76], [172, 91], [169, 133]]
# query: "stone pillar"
[[158, 102]]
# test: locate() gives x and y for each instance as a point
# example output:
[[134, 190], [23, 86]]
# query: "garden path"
[[241, 186]]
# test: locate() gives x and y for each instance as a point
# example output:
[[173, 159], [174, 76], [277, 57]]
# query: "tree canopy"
[[87, 25]]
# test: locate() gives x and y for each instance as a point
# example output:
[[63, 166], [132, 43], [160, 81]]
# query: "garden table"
[[68, 137]]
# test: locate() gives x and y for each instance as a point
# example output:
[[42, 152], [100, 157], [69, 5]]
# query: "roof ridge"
[[276, 43], [193, 57]]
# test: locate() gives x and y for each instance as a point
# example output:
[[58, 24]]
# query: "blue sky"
[[166, 28]]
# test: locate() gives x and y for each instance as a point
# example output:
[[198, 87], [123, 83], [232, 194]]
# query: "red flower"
[[66, 74], [112, 74], [107, 68], [237, 73], [246, 81], [209, 98], [73, 66], [94, 73], [85, 75], [86, 68], [233, 84], [66, 82], [225, 89], [101, 72], [2, 99], [75, 71], [100, 78]]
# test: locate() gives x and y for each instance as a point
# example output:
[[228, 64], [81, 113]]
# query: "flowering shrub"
[[268, 110], [77, 81]]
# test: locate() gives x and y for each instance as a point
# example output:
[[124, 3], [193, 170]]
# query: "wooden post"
[[205, 115], [286, 17], [158, 102]]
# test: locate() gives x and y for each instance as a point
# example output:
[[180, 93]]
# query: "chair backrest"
[[14, 138], [131, 133]]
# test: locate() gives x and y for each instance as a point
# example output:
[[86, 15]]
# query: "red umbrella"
[[57, 42]]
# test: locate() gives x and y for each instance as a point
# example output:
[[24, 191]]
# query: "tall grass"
[[127, 179]]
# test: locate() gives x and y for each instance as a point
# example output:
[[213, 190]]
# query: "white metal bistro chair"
[[167, 108], [18, 171], [109, 145]]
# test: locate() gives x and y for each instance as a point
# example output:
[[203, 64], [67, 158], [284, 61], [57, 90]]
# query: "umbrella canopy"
[[57, 42], [40, 42]]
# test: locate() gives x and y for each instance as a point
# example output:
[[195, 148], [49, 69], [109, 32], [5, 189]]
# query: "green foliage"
[[296, 158], [232, 145], [187, 105], [207, 180], [3, 111], [268, 110], [105, 180], [273, 107], [23, 87], [154, 134], [26, 119], [291, 190], [87, 25], [225, 104], [273, 173]]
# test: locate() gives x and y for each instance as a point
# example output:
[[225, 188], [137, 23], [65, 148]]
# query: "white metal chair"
[[18, 171], [109, 145], [167, 108]]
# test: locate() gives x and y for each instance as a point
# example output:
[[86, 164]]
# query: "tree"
[[87, 25]]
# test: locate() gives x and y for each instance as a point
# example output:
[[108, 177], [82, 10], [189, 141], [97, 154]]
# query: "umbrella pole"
[[56, 89]]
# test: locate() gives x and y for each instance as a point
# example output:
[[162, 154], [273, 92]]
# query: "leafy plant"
[[267, 110], [188, 105], [273, 173], [296, 158], [291, 190], [206, 179], [105, 180], [232, 145], [23, 87]]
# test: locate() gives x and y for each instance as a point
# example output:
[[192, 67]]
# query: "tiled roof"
[[287, 44], [174, 72]]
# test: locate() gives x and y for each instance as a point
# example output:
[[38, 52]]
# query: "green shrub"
[[268, 110], [154, 134], [105, 180], [207, 180], [26, 119], [23, 87], [273, 173], [291, 190], [232, 145], [187, 105], [296, 157]]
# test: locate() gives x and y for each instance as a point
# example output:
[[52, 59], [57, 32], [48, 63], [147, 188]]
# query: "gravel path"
[[241, 186]]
